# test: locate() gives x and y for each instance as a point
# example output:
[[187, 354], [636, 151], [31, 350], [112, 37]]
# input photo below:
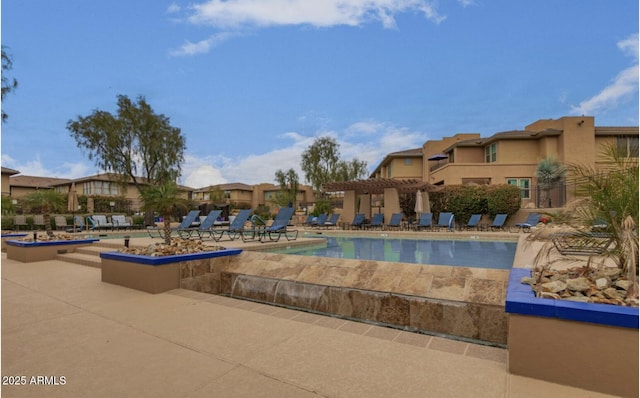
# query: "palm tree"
[[164, 199], [610, 194], [549, 172], [46, 201]]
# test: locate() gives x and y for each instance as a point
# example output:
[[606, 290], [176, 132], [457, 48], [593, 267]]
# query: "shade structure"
[[439, 156], [418, 207], [72, 203]]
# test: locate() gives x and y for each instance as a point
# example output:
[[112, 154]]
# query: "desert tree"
[[289, 183], [321, 164], [8, 84], [136, 144]]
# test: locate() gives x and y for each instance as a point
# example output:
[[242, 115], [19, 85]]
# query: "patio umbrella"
[[418, 207], [72, 203]]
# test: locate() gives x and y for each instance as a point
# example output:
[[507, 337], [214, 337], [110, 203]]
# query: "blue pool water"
[[466, 253]]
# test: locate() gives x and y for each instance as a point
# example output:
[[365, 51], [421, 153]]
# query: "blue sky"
[[251, 83]]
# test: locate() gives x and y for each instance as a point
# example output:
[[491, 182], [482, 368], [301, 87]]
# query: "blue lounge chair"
[[235, 229], [377, 221], [473, 222], [280, 227], [309, 220], [206, 224], [396, 221], [358, 221], [79, 223], [425, 221], [498, 222], [320, 221], [532, 220], [446, 220], [158, 232], [333, 221]]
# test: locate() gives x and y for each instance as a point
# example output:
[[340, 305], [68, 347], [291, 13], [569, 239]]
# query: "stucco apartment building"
[[510, 157], [252, 196]]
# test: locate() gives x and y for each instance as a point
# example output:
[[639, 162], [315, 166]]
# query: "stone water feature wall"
[[457, 301]]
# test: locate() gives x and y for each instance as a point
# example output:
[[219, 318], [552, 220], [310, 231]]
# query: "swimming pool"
[[467, 253]]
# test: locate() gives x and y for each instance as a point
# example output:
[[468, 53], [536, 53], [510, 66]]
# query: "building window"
[[490, 153], [227, 194], [627, 146], [524, 184], [101, 188], [407, 161], [389, 171]]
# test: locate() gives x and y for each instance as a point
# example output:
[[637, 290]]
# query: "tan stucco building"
[[509, 157]]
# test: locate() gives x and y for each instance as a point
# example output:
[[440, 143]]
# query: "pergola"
[[391, 188], [378, 185]]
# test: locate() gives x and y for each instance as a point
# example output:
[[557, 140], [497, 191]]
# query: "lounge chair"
[[206, 224], [61, 223], [20, 222], [280, 226], [79, 223], [319, 221], [582, 243], [473, 222], [120, 222], [425, 221], [101, 222], [38, 221], [532, 220], [446, 220], [396, 221], [358, 221], [309, 221], [333, 221], [158, 232], [235, 229], [498, 222], [377, 221]]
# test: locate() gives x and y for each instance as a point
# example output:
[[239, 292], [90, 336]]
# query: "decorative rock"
[[553, 287], [578, 284], [602, 283], [624, 284]]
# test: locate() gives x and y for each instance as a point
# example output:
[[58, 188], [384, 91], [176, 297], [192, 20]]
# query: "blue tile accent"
[[521, 300], [160, 260], [13, 235], [49, 243]]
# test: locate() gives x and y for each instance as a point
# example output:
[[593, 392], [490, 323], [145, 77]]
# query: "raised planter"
[[152, 274], [6, 237], [585, 345], [28, 252]]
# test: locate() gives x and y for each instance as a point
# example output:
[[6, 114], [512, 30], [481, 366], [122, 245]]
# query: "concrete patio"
[[60, 321]]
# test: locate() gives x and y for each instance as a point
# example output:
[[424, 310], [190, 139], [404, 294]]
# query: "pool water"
[[467, 253]]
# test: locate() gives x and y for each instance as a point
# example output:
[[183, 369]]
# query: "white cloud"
[[378, 140], [241, 13], [36, 168], [621, 89], [203, 46], [238, 15], [173, 8]]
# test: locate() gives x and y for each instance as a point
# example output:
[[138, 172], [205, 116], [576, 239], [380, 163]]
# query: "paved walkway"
[[100, 340]]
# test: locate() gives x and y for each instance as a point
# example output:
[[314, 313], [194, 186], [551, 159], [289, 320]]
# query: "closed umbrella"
[[72, 203], [418, 207]]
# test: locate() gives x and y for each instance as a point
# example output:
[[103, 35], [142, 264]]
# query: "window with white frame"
[[491, 153], [524, 184]]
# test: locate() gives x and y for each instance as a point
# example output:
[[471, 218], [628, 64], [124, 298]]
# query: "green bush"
[[465, 200], [322, 206]]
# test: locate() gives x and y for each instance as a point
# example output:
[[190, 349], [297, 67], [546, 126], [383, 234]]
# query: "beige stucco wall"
[[399, 169]]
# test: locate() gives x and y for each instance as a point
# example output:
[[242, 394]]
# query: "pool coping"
[[162, 260]]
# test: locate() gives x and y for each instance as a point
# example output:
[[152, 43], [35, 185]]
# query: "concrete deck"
[[59, 320]]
